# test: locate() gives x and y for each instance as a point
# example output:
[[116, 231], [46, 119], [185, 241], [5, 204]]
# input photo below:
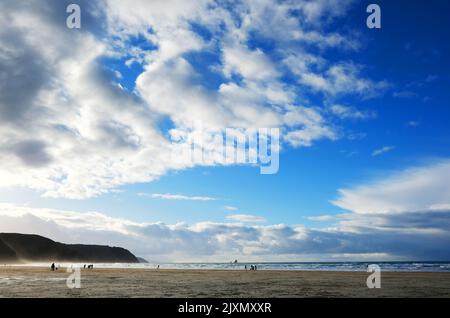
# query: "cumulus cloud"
[[69, 128], [305, 137], [73, 133], [415, 189], [347, 112], [257, 65], [415, 235], [340, 79]]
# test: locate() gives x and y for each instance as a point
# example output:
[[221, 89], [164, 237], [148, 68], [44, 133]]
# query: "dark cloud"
[[33, 153], [420, 235], [438, 220], [23, 75], [412, 235], [24, 72]]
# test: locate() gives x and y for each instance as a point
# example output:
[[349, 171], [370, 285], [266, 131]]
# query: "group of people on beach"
[[252, 267], [53, 267]]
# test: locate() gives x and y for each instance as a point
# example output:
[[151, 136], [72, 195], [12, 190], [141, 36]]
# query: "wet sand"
[[41, 282]]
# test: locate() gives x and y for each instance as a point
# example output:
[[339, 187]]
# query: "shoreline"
[[18, 281], [237, 268], [162, 269]]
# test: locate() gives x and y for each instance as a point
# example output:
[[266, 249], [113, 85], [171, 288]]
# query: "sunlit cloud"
[[170, 196], [246, 218], [420, 188], [71, 128]]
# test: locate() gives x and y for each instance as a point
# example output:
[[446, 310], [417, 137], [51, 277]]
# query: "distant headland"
[[23, 248]]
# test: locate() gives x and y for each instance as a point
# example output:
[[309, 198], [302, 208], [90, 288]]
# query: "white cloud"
[[305, 137], [79, 135], [230, 208], [249, 64], [343, 78], [246, 218], [68, 129], [347, 112], [338, 79], [328, 9], [383, 150], [414, 189], [169, 196]]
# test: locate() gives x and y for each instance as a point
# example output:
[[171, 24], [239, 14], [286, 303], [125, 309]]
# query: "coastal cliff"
[[21, 248]]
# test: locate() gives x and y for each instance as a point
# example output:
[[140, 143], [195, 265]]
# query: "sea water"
[[298, 266]]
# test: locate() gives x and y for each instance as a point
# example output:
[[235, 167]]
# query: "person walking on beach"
[[53, 267]]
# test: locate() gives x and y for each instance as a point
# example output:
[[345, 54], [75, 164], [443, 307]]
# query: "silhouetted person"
[[53, 267]]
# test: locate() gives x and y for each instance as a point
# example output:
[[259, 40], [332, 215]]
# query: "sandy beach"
[[41, 282]]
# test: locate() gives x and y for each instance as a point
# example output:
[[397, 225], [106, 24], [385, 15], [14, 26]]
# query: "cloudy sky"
[[88, 117]]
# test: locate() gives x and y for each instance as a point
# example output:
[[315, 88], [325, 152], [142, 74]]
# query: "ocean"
[[289, 266]]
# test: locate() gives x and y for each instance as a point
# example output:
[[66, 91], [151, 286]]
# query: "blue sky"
[[379, 98]]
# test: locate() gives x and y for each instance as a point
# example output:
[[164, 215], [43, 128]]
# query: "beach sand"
[[41, 282]]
